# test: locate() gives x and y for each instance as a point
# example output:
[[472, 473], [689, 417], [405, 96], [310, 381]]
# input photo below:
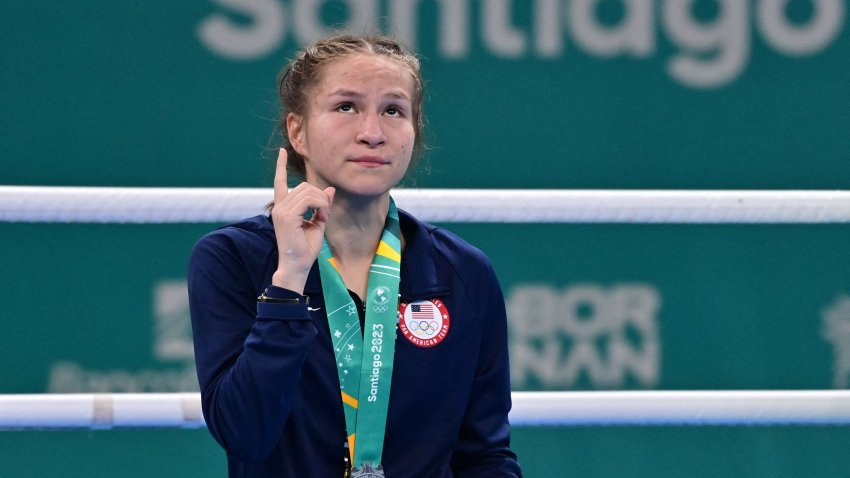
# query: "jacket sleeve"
[[483, 446], [248, 355]]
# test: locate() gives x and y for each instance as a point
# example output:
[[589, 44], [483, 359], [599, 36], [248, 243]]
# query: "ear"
[[295, 131]]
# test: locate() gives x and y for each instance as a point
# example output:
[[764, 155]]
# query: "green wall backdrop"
[[645, 94]]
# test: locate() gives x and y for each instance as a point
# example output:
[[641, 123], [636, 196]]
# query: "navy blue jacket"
[[268, 378]]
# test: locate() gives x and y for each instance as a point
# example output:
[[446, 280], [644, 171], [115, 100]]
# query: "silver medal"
[[367, 471]]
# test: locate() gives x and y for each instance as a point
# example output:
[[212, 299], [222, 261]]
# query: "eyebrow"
[[351, 93]]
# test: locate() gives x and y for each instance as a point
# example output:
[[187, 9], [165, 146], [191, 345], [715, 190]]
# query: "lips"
[[369, 161]]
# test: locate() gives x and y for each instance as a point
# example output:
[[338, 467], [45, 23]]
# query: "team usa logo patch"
[[425, 323]]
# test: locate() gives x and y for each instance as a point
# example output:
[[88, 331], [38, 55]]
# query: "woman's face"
[[357, 132]]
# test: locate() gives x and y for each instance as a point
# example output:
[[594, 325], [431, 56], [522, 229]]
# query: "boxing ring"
[[655, 408], [649, 408]]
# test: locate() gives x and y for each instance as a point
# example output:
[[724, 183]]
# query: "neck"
[[353, 232], [355, 226]]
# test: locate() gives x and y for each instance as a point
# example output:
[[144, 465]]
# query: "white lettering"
[[403, 24], [820, 31], [633, 35], [709, 53], [636, 306], [548, 38], [454, 28], [541, 362], [533, 310], [726, 38], [69, 377], [173, 326], [238, 42], [555, 335], [499, 35], [374, 379], [835, 320], [307, 20]]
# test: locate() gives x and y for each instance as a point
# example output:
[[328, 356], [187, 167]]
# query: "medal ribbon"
[[365, 363]]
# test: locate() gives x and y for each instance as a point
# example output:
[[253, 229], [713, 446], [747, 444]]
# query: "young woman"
[[339, 335]]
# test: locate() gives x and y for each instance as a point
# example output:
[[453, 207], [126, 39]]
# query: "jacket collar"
[[419, 273]]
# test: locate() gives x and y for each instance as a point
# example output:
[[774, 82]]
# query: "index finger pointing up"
[[280, 186]]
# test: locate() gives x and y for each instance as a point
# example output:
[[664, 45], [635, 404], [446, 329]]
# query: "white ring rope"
[[644, 408], [184, 205], [174, 205]]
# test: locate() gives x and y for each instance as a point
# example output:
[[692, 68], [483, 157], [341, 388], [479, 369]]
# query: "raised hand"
[[298, 241]]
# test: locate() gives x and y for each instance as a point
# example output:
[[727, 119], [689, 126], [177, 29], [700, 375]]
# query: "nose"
[[370, 133]]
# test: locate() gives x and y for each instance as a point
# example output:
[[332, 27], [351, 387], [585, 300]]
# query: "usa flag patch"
[[425, 323]]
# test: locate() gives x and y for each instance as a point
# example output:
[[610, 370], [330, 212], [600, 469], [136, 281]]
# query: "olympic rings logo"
[[425, 326], [425, 323], [380, 299]]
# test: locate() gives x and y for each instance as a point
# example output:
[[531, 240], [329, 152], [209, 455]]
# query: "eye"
[[345, 107], [394, 111]]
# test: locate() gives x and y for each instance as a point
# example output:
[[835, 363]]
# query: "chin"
[[367, 185], [366, 189]]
